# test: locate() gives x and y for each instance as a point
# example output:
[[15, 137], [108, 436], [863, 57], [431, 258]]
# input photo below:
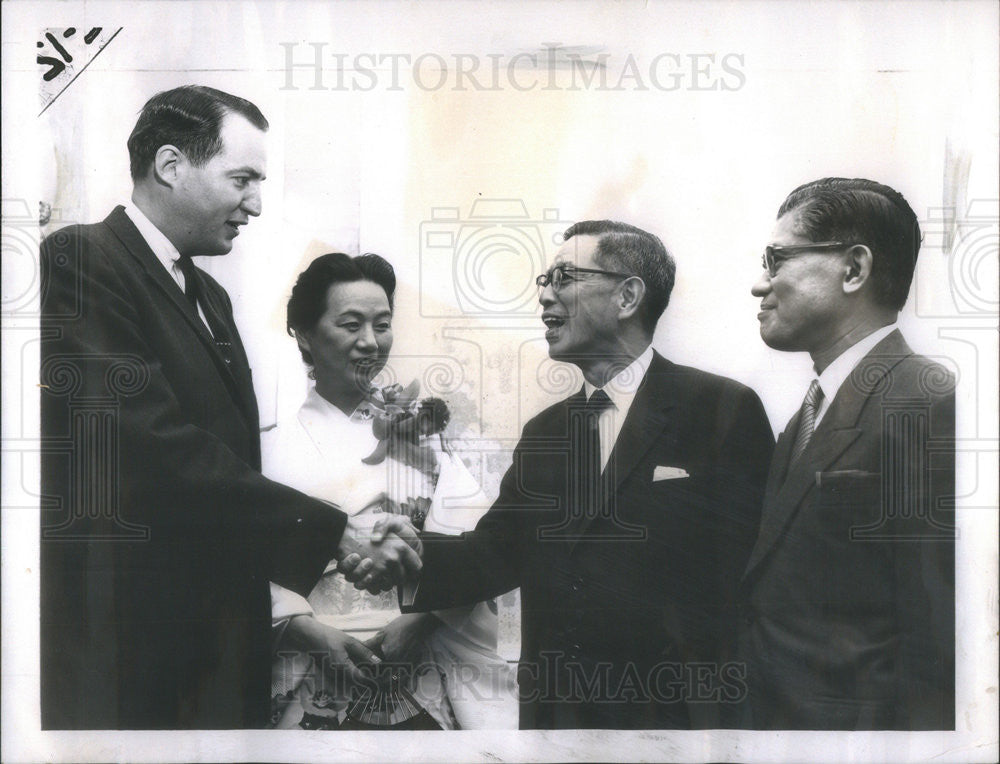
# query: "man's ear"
[[167, 164], [859, 268], [630, 296]]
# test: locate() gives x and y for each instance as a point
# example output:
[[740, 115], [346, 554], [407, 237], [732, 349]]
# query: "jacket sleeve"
[[924, 565], [746, 445], [743, 446], [176, 478], [484, 562]]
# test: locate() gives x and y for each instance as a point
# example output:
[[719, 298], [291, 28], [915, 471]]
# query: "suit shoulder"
[[706, 383], [74, 233], [65, 246], [541, 422], [921, 374]]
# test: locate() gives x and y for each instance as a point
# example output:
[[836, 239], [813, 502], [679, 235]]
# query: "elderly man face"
[[579, 305], [801, 289]]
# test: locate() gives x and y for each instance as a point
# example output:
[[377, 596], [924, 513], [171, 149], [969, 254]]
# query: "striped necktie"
[[807, 419]]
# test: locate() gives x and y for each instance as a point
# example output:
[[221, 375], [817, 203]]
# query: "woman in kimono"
[[371, 451]]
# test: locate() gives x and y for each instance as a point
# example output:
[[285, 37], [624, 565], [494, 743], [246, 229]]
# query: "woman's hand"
[[341, 653], [401, 639]]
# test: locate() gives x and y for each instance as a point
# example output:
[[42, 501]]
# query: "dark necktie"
[[807, 420], [585, 465], [195, 293]]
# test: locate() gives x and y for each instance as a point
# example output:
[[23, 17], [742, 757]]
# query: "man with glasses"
[[848, 600], [628, 513]]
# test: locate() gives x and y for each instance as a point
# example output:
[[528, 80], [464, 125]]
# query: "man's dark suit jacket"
[[159, 534], [622, 632], [849, 597]]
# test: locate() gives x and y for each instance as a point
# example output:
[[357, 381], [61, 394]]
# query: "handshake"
[[378, 555]]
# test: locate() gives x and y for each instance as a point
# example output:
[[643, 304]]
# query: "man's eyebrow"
[[352, 312], [255, 174]]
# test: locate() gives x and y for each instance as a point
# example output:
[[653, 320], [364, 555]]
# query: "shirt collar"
[[836, 373], [164, 250], [622, 387], [317, 404]]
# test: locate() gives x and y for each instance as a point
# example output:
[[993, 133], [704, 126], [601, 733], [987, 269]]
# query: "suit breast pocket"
[[843, 521], [847, 485], [849, 501]]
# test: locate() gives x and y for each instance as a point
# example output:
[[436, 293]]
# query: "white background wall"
[[903, 93]]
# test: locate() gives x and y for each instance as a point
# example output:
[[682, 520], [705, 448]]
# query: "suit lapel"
[[779, 461], [836, 432], [648, 421], [122, 226], [239, 367]]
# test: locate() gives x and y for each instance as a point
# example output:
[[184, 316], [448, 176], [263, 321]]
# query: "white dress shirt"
[[621, 389], [836, 373], [162, 247]]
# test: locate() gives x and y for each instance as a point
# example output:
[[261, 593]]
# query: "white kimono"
[[320, 453]]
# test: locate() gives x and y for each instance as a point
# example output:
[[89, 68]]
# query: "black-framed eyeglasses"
[[558, 275], [775, 255]]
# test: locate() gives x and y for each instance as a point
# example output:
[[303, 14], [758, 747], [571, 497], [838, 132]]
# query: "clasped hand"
[[376, 554]]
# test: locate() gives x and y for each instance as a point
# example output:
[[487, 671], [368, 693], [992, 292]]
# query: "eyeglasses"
[[774, 256], [558, 275]]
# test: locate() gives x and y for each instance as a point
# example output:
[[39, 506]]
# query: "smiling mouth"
[[552, 326], [553, 322], [366, 365]]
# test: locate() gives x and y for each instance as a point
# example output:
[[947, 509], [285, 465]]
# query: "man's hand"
[[344, 652], [378, 557]]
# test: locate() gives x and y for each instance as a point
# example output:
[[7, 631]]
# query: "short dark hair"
[[855, 210], [188, 117], [307, 304], [625, 248]]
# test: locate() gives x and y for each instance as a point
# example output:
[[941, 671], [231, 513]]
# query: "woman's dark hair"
[[308, 301]]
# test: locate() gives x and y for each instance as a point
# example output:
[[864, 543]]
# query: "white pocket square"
[[669, 473]]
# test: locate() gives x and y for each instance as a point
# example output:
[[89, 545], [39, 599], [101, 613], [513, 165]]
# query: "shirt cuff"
[[285, 603], [408, 593]]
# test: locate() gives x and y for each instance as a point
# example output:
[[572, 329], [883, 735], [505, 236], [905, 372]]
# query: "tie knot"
[[814, 395], [185, 266], [598, 401], [191, 290]]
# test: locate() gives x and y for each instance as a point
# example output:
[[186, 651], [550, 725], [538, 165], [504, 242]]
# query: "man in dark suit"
[[848, 599], [625, 522], [159, 534]]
